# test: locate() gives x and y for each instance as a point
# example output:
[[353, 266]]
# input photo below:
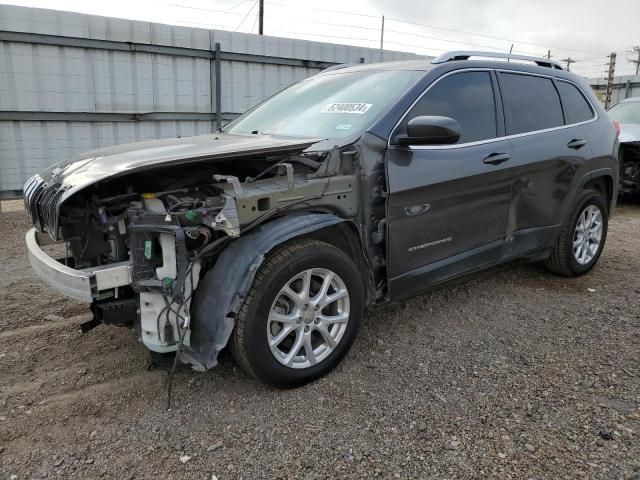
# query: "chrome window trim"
[[586, 97], [497, 139]]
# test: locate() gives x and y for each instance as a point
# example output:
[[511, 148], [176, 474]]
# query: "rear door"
[[549, 146], [448, 204]]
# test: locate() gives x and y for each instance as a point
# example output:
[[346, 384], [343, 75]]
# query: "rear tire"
[[286, 337], [582, 236]]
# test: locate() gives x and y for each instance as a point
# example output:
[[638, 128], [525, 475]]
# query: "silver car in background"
[[627, 115]]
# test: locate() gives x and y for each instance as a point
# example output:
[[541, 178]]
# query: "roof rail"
[[466, 54]]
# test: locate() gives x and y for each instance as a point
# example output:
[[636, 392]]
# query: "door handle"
[[576, 143], [496, 158]]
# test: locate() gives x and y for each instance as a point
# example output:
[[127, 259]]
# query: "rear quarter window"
[[576, 107], [531, 103]]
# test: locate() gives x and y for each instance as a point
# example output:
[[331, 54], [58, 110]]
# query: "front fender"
[[224, 288]]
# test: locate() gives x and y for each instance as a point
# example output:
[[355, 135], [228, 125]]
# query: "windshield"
[[627, 112], [326, 106]]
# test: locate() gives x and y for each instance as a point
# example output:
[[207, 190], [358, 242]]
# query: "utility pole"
[[610, 76], [569, 61], [261, 17], [382, 35], [636, 50]]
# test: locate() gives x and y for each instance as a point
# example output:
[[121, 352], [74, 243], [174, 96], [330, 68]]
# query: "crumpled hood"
[[91, 167], [629, 132], [44, 193]]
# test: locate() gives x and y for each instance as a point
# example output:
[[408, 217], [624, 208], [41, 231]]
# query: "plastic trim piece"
[[82, 284], [224, 288]]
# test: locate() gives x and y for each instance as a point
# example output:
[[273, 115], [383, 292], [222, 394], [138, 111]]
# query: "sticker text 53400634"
[[359, 108]]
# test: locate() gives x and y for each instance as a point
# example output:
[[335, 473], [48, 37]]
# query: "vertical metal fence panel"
[[624, 86], [70, 66]]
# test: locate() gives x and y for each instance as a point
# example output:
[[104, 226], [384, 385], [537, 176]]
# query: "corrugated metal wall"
[[623, 87], [51, 68]]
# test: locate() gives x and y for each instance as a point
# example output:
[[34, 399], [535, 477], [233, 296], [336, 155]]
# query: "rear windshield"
[[627, 112], [327, 106]]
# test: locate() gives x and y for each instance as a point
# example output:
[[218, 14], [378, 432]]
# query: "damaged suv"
[[354, 187]]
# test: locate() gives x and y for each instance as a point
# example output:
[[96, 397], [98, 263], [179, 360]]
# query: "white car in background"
[[627, 115]]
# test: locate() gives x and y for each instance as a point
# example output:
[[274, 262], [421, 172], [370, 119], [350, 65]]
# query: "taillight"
[[616, 125]]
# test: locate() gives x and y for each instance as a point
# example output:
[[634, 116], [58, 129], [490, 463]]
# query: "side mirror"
[[430, 130]]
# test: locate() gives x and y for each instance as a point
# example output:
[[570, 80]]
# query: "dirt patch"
[[11, 206], [516, 374]]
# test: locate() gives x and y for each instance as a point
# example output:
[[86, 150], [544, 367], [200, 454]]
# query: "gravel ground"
[[515, 374]]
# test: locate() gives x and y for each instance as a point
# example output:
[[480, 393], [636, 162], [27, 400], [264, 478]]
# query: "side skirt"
[[531, 244]]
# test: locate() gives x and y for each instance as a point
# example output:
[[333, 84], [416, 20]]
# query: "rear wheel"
[[301, 314], [582, 236]]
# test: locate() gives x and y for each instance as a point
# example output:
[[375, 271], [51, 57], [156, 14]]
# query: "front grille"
[[30, 191], [41, 203], [48, 208]]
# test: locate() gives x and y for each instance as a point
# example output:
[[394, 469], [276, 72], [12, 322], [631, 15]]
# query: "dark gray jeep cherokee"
[[352, 188]]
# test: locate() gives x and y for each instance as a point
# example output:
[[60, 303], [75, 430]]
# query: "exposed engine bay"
[[171, 222]]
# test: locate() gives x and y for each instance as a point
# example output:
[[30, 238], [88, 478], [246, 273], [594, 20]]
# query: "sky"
[[583, 30]]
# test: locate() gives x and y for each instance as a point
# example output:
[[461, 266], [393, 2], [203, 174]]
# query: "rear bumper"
[[84, 284]]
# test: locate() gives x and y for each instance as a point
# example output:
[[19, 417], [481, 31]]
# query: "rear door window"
[[466, 97], [531, 103], [576, 107]]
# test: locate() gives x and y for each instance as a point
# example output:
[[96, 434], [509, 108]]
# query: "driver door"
[[448, 204]]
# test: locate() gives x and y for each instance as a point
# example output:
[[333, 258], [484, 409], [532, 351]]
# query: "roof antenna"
[[510, 52]]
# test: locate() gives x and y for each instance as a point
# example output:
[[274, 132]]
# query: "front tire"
[[582, 237], [301, 315]]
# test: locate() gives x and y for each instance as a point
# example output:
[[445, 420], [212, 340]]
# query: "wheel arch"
[[345, 236], [224, 287], [602, 183], [601, 180]]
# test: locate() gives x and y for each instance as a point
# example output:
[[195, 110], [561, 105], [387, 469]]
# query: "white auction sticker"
[[359, 108]]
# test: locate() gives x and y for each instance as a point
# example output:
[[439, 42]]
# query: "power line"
[[568, 61], [491, 36], [510, 40], [253, 27], [377, 17], [430, 37], [423, 47], [236, 5], [327, 36], [247, 14], [211, 10], [447, 40], [499, 38], [417, 46], [334, 11], [377, 29], [405, 33], [635, 50]]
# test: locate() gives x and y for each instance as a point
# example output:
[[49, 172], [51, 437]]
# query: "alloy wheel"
[[308, 318], [587, 235]]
